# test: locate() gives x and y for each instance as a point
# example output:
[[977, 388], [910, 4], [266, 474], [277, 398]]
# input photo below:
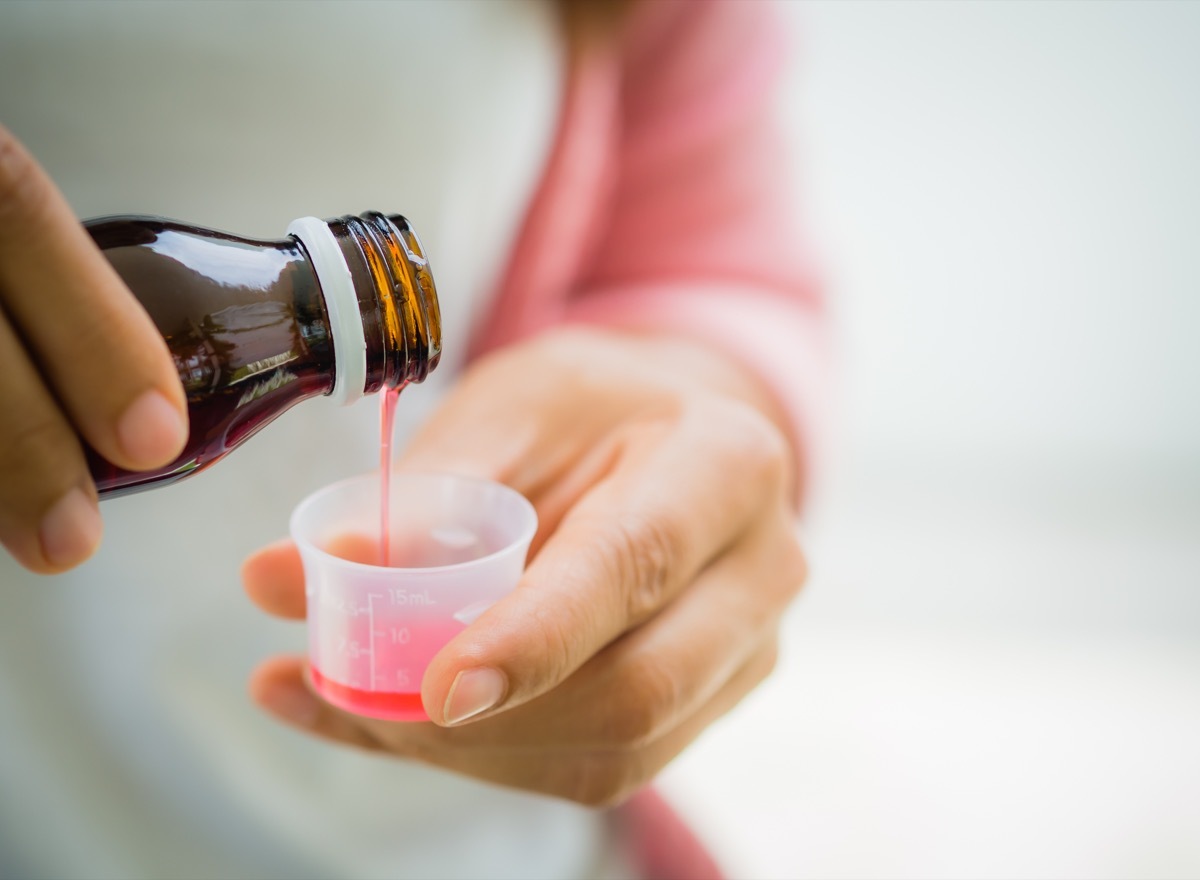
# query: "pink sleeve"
[[699, 235]]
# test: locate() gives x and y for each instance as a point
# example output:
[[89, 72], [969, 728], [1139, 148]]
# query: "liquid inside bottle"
[[345, 307]]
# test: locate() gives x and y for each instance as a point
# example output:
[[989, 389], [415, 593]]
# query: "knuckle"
[[569, 339], [794, 568], [745, 441], [758, 446], [783, 569], [129, 350], [649, 699], [644, 551], [559, 347], [761, 666], [558, 629], [574, 353], [36, 447]]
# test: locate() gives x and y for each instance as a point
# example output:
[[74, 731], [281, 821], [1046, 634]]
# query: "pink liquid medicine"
[[400, 705], [388, 646], [404, 650], [457, 546], [380, 645], [387, 424]]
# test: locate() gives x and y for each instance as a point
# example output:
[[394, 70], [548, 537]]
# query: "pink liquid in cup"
[[455, 546], [400, 647]]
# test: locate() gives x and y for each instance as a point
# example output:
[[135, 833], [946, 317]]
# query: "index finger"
[[273, 576], [680, 493], [71, 309]]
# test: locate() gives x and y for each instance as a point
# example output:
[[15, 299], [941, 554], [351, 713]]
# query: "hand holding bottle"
[[665, 556], [79, 357]]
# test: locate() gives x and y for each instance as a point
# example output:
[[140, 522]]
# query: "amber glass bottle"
[[344, 307]]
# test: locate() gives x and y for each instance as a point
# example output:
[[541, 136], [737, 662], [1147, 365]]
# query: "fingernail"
[[71, 530], [474, 691], [151, 430], [294, 703]]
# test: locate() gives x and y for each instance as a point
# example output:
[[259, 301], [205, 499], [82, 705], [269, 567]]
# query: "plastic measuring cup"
[[457, 544]]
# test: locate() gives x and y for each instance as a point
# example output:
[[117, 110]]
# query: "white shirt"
[[128, 746]]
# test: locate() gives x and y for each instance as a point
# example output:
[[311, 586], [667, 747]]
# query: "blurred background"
[[995, 668]]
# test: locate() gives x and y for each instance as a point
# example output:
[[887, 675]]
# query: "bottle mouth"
[[387, 325], [412, 318], [406, 298]]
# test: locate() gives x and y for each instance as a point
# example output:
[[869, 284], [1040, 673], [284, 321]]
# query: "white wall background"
[[1013, 200], [995, 671]]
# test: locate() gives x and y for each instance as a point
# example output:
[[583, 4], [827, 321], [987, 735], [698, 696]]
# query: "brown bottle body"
[[248, 324]]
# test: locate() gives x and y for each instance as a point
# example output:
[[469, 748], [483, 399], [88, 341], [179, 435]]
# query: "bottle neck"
[[382, 303]]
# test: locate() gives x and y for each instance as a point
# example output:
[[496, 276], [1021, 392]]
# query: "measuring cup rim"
[[524, 538]]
